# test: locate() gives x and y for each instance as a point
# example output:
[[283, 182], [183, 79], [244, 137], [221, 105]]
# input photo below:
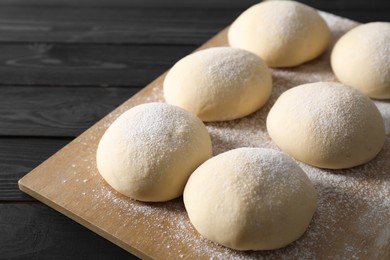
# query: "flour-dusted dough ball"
[[149, 152], [219, 83], [327, 124], [250, 199], [282, 33], [361, 59]]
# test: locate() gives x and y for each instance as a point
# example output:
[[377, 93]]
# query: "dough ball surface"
[[149, 151], [282, 33], [250, 199], [327, 124], [361, 59], [219, 84]]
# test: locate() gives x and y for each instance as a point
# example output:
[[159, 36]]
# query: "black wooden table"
[[64, 64]]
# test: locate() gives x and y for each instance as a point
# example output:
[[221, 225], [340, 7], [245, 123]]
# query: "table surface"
[[65, 64]]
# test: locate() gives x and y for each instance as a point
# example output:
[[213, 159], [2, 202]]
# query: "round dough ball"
[[282, 33], [361, 59], [250, 199], [219, 83], [149, 152], [327, 124]]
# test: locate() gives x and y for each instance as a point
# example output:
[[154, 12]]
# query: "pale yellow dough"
[[250, 199], [219, 84], [282, 33], [327, 124], [149, 152], [361, 59]]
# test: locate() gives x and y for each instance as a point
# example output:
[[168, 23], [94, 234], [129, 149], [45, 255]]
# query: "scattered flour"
[[353, 215]]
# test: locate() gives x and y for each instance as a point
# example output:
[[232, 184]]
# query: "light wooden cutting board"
[[352, 220]]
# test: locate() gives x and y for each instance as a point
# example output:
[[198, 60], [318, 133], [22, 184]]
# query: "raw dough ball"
[[327, 124], [219, 83], [149, 152], [282, 33], [250, 199], [361, 59]]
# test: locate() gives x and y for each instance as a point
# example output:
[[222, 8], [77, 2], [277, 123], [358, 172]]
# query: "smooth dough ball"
[[219, 83], [282, 33], [250, 199], [327, 124], [149, 152], [361, 59]]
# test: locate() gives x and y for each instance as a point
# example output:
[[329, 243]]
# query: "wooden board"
[[352, 219]]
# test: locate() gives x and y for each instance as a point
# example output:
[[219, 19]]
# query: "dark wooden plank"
[[109, 22], [115, 25], [56, 111], [35, 231], [85, 64], [18, 156], [219, 4]]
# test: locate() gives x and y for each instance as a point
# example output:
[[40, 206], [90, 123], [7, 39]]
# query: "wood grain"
[[56, 24], [35, 231], [112, 4], [100, 65], [148, 22], [217, 4], [20, 155], [56, 111]]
